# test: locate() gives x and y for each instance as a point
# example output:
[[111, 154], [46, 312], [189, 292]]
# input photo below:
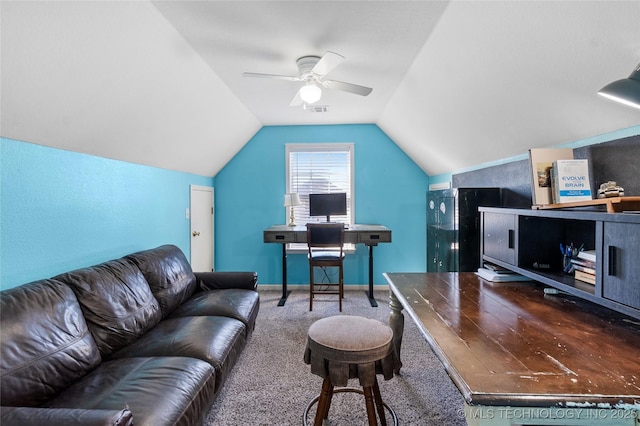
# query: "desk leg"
[[396, 322], [285, 293], [372, 300]]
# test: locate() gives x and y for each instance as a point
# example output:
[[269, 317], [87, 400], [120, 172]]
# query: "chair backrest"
[[325, 235]]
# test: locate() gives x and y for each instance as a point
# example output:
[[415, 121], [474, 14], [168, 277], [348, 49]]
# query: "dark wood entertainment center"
[[526, 241]]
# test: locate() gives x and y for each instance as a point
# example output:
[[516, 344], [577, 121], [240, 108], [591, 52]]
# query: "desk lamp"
[[625, 91], [291, 200]]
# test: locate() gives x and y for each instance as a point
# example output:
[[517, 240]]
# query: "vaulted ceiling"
[[455, 83]]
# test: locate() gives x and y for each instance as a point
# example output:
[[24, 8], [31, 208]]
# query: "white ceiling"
[[455, 83]]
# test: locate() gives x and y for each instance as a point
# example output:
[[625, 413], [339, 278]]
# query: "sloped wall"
[[617, 160]]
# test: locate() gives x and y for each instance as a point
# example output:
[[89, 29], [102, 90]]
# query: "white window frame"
[[320, 147]]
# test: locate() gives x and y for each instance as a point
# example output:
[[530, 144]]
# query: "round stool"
[[346, 347]]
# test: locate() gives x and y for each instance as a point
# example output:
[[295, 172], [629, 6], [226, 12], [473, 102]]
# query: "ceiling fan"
[[312, 71]]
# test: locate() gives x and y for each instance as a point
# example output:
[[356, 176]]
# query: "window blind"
[[320, 168]]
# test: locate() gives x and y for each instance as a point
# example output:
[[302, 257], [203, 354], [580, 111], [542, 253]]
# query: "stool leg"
[[324, 402], [379, 406], [371, 412], [329, 399]]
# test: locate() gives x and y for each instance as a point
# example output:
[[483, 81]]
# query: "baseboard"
[[305, 287]]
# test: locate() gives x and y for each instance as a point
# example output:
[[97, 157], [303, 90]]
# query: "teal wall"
[[390, 189], [62, 210]]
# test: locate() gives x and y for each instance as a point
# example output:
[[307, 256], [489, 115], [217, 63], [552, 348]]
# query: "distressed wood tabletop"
[[511, 344]]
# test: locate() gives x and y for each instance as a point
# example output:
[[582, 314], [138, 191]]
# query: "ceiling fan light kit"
[[625, 91], [312, 70], [310, 93]]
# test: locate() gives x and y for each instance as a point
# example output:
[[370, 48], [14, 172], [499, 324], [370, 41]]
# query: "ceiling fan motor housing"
[[306, 64]]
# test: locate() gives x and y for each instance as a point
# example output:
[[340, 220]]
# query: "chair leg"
[[310, 288], [340, 287]]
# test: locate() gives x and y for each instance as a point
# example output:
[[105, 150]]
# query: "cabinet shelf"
[[563, 281], [558, 280], [613, 204], [518, 239]]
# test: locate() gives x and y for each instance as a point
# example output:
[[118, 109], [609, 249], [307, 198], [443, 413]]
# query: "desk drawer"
[[372, 237], [279, 237]]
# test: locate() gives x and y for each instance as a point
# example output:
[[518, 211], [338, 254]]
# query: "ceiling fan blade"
[[347, 87], [297, 100], [275, 76], [329, 61]]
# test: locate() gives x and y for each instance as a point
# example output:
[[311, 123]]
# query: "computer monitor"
[[328, 204]]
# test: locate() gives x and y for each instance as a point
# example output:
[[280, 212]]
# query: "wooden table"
[[519, 356]]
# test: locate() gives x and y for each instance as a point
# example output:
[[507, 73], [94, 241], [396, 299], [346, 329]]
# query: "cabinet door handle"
[[613, 261], [511, 238]]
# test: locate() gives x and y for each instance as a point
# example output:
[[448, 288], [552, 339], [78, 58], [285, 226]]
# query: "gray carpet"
[[271, 384]]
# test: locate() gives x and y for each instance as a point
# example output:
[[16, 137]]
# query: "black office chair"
[[325, 241]]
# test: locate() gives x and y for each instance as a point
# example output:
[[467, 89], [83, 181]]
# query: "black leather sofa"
[[137, 339]]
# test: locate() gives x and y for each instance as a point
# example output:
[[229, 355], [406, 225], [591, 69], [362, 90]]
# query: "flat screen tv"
[[328, 204]]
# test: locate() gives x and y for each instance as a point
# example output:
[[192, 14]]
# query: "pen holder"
[[566, 264], [569, 252]]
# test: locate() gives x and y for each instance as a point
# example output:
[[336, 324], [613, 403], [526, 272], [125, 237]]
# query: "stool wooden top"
[[345, 347], [350, 333]]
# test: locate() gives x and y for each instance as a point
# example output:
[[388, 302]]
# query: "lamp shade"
[[291, 200], [310, 93], [625, 91]]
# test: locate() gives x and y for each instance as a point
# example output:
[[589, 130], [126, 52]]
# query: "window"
[[319, 168]]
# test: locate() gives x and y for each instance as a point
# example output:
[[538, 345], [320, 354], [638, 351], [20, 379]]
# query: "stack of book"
[[495, 273], [584, 266]]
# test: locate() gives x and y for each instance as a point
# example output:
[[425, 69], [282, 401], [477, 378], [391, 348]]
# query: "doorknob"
[[195, 233]]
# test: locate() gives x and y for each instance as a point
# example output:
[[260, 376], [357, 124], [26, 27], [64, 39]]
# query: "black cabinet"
[[498, 237], [528, 242], [621, 266], [453, 227]]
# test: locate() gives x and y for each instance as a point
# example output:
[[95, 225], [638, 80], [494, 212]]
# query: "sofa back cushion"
[[168, 273], [116, 300], [46, 344]]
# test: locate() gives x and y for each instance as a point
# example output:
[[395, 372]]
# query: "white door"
[[201, 207]]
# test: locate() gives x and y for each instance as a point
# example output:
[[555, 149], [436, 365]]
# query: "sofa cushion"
[[116, 300], [46, 344], [217, 340], [240, 304], [168, 273], [38, 416], [158, 391]]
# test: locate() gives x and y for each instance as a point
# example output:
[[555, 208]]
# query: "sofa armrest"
[[36, 416], [225, 280]]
